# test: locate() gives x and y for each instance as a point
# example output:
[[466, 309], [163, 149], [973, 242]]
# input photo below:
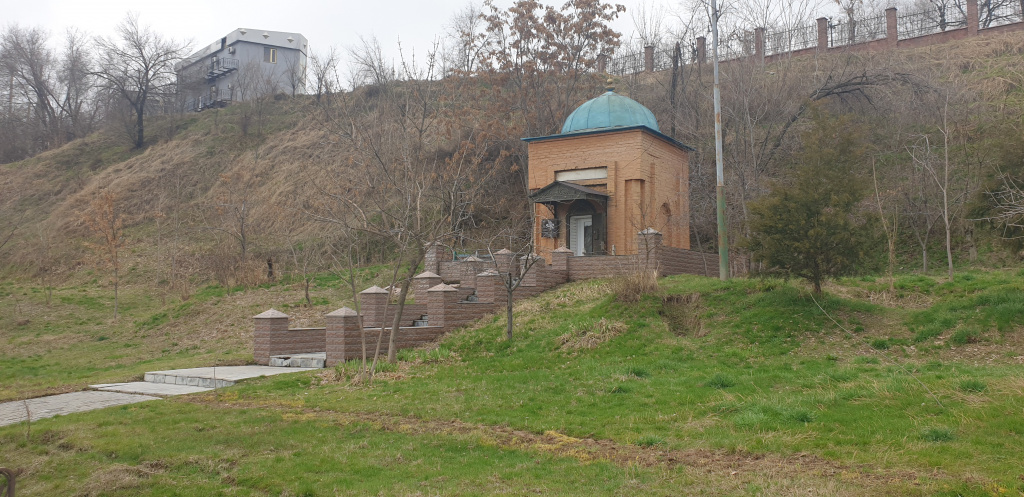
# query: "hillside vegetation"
[[281, 158]]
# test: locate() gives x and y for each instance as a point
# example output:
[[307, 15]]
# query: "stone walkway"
[[56, 405], [158, 384], [145, 388], [216, 377]]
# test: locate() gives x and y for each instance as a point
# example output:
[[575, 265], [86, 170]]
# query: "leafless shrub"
[[682, 314], [634, 285], [590, 335]]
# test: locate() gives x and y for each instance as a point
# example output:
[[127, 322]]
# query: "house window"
[[270, 55]]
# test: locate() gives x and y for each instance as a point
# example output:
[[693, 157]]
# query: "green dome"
[[610, 110]]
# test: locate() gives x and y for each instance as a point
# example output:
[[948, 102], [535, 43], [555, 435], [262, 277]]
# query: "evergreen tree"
[[809, 227]]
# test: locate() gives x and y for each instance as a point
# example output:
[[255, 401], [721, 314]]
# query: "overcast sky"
[[339, 23]]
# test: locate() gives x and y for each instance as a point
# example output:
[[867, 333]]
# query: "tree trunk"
[[115, 291], [397, 321], [508, 316], [945, 189], [949, 247], [139, 127]]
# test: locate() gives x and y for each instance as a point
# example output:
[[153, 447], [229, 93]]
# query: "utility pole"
[[723, 235]]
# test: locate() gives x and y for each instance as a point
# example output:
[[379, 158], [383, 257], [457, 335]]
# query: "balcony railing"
[[221, 67], [207, 102]]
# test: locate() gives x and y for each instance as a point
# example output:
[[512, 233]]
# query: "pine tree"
[[810, 227]]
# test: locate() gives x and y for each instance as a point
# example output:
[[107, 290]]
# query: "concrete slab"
[[216, 377], [146, 388], [54, 405], [315, 360]]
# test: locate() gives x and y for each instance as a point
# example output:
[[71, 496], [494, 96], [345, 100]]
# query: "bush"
[[621, 389], [800, 416], [590, 335], [809, 227], [634, 285], [972, 386], [682, 314], [937, 434], [964, 336], [719, 381]]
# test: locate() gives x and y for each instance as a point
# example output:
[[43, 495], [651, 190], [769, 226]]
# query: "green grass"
[[75, 341], [719, 380], [974, 304], [152, 448], [771, 376], [972, 386]]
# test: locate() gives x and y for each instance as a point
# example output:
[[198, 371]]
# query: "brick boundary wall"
[[272, 337], [446, 306], [673, 260]]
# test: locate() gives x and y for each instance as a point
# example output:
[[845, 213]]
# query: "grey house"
[[245, 64]]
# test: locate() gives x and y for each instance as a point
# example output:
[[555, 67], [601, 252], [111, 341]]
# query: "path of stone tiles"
[[67, 403], [146, 388], [158, 384]]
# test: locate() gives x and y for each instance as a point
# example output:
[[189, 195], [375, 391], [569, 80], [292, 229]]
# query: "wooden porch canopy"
[[563, 192]]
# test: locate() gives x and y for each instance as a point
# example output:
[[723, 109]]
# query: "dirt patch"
[[119, 477], [885, 298]]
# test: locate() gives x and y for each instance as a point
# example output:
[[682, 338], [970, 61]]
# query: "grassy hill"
[[738, 388], [750, 387]]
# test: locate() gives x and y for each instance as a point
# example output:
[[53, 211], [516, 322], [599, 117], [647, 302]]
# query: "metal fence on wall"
[[928, 22], [630, 63], [791, 40], [741, 43], [847, 32], [994, 13], [735, 45]]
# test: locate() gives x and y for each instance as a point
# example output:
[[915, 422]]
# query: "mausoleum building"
[[609, 174]]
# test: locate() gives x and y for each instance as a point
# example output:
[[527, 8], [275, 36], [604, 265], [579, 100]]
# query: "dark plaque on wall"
[[549, 228]]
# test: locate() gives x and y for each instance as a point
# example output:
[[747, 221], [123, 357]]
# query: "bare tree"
[[235, 210], [309, 257], [9, 229], [324, 67], [44, 260], [369, 65], [294, 72], [512, 265], [397, 166], [106, 219], [1009, 202], [936, 161], [255, 86], [54, 87], [138, 65], [464, 41], [31, 65]]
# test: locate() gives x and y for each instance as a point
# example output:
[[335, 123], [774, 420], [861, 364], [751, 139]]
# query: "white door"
[[580, 234]]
